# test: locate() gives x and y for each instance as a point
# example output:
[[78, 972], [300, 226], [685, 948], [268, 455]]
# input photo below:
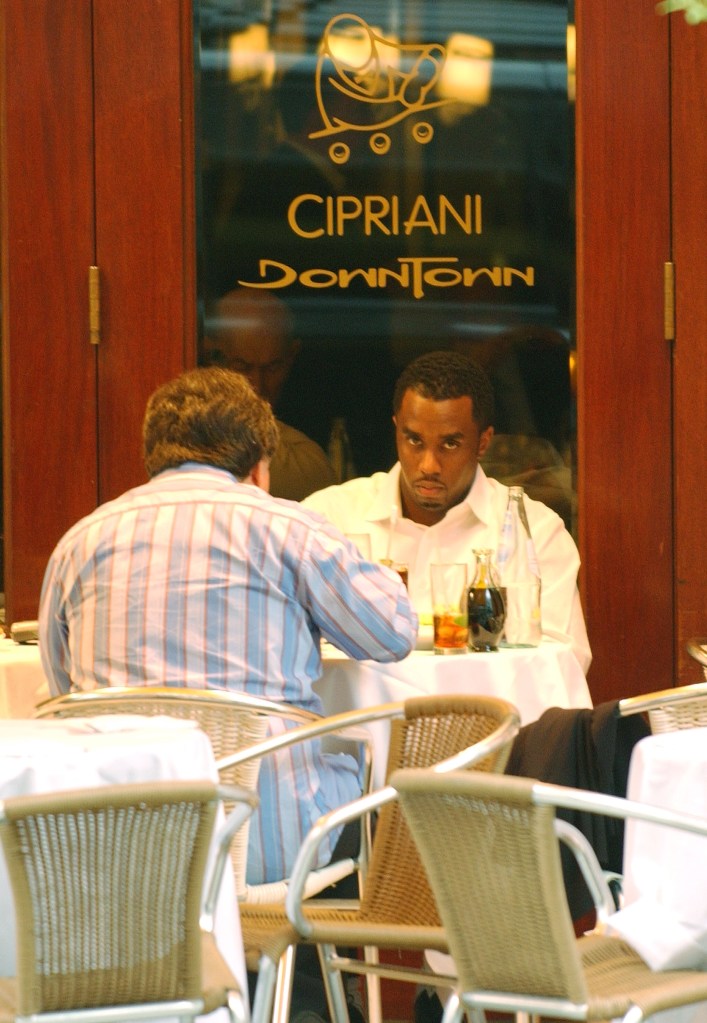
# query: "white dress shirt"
[[365, 505]]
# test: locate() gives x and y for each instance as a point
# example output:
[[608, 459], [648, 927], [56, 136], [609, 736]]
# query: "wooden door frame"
[[689, 225], [145, 216], [48, 243], [72, 411], [624, 415], [641, 526]]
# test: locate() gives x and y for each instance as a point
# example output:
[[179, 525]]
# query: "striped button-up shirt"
[[197, 580]]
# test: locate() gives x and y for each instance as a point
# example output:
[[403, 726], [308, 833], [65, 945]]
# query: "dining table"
[[23, 683], [531, 678], [50, 755], [663, 912]]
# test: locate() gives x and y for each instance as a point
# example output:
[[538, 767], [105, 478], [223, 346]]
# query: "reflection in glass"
[[400, 181]]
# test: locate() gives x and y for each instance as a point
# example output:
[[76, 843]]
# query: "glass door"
[[379, 180]]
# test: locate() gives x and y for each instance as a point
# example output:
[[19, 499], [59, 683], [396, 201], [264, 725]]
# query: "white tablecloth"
[[665, 883], [532, 679], [665, 879], [46, 756], [22, 682]]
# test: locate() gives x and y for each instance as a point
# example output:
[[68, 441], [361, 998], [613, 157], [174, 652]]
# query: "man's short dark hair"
[[444, 375], [211, 416]]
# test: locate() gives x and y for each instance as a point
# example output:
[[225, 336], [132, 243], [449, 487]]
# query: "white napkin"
[[659, 937]]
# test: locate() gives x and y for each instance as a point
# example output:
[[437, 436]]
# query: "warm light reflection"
[[571, 62], [356, 46], [249, 55], [466, 75]]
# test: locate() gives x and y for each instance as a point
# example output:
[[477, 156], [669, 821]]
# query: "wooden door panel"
[[49, 392], [689, 209], [625, 431], [144, 199]]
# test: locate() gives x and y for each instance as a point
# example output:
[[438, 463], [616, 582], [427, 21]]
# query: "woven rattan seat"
[[232, 721], [491, 848], [670, 709], [397, 909], [236, 725], [111, 922], [697, 649]]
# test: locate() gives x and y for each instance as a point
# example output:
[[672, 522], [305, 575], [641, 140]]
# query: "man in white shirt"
[[437, 504]]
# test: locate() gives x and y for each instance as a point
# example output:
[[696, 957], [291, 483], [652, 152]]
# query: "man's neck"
[[426, 516], [421, 516]]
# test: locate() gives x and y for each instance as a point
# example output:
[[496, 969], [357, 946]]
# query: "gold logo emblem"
[[389, 80]]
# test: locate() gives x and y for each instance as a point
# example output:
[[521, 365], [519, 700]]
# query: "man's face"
[[439, 445], [264, 360], [252, 338]]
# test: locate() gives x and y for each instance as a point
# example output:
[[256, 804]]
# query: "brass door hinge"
[[94, 305], [669, 301]]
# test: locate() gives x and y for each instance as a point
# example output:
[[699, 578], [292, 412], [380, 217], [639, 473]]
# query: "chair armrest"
[[344, 725], [307, 854], [479, 751], [245, 803], [661, 698], [697, 648], [610, 806], [594, 877], [545, 794], [316, 882], [348, 727], [368, 803]]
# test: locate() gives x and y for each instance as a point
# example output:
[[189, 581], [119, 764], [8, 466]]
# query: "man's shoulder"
[[299, 465], [290, 436]]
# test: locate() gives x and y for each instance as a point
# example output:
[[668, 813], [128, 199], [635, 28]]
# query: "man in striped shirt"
[[199, 578]]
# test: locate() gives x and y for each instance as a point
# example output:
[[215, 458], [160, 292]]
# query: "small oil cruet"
[[487, 609]]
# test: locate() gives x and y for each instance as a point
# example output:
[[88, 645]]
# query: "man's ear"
[[260, 475], [485, 440]]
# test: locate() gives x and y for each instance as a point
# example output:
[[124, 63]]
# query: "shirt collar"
[[199, 469], [479, 501], [387, 497]]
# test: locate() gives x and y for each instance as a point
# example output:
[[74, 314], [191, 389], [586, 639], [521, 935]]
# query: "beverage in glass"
[[485, 604], [449, 611], [450, 631]]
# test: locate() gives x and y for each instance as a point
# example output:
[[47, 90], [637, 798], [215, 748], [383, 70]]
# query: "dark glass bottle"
[[486, 603]]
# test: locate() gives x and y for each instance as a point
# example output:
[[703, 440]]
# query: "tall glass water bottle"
[[519, 575]]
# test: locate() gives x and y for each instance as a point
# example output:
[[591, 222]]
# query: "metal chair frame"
[[87, 950], [236, 724], [474, 731], [497, 876], [670, 709], [241, 720]]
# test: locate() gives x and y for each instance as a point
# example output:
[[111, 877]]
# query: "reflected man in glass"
[[251, 332]]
